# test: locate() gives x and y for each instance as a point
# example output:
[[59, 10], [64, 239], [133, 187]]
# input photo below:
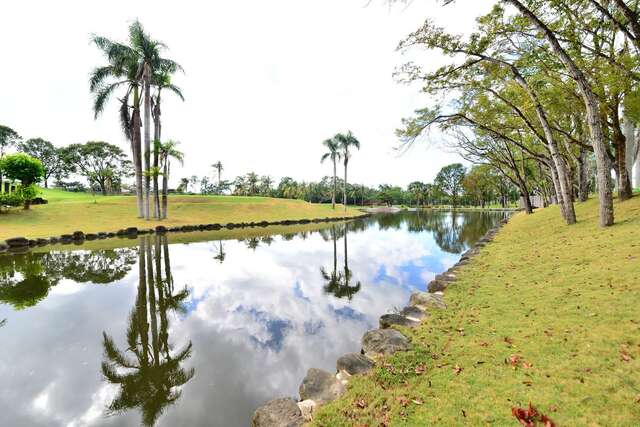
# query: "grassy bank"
[[67, 212], [546, 314]]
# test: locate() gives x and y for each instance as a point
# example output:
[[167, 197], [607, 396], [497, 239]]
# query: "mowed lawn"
[[547, 315], [68, 212]]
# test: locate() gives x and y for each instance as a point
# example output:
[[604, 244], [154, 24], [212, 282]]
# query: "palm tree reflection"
[[149, 373], [338, 283]]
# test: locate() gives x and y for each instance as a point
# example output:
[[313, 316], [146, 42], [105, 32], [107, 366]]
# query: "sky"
[[265, 82]]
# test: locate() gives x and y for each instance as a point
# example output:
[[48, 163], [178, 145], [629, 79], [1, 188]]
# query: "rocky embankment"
[[320, 387]]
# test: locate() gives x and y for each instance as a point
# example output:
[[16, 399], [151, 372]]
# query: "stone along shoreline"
[[320, 387]]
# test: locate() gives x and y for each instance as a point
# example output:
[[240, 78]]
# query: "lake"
[[157, 332]]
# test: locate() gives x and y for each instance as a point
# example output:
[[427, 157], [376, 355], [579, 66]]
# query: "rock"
[[278, 413], [17, 242], [78, 235], [91, 236], [383, 341], [413, 312], [388, 320], [53, 240], [3, 246], [354, 363], [42, 242], [307, 408], [426, 300], [161, 229], [66, 239], [437, 286], [320, 386], [33, 242], [446, 277], [131, 230]]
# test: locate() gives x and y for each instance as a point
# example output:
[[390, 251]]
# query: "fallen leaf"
[[530, 417], [420, 369], [625, 357], [403, 401], [514, 359], [361, 403], [526, 365], [457, 369], [417, 401]]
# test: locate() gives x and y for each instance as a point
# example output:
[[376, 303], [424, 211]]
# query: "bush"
[[13, 199]]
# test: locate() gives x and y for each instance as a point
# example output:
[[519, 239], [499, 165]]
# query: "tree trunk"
[[619, 141], [157, 131], [344, 196], [165, 189], [583, 176], [335, 188], [147, 138], [136, 149], [566, 199], [592, 108]]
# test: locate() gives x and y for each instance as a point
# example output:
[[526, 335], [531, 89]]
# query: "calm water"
[[201, 334]]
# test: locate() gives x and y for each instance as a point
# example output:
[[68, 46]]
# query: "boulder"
[[131, 230], [17, 242], [426, 300], [42, 242], [53, 240], [78, 235], [446, 277], [388, 320], [354, 363], [383, 341], [413, 312], [66, 238], [278, 413], [320, 386], [307, 408], [437, 286], [161, 229], [91, 236], [3, 246]]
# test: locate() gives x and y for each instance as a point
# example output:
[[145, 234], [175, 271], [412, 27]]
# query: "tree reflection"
[[221, 255], [149, 373], [338, 283], [25, 279]]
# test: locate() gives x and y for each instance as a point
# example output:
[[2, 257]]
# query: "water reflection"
[[338, 283], [151, 380], [257, 314]]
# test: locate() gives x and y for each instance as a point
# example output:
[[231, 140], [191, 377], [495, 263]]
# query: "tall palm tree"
[[334, 154], [166, 152], [121, 72], [218, 166], [346, 142], [149, 62], [161, 81]]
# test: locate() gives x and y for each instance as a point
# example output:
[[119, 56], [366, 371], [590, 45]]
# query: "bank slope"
[[67, 212], [546, 314]]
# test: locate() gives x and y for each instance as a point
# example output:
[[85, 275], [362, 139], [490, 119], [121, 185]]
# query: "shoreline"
[[22, 244]]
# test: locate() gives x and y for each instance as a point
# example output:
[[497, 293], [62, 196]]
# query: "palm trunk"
[[136, 148], [344, 195], [592, 108], [333, 194], [165, 189], [141, 303], [147, 139], [157, 131]]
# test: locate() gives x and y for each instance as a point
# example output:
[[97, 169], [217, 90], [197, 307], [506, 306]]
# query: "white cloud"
[[265, 82]]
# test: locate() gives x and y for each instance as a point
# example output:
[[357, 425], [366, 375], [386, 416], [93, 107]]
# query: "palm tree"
[[335, 155], [252, 183], [166, 152], [218, 166], [121, 71], [149, 62], [161, 80], [346, 141]]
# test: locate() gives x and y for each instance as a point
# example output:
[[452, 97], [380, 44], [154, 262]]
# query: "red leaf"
[[530, 417], [457, 369]]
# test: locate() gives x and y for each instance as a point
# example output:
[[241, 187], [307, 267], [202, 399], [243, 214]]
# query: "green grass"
[[67, 212], [547, 314]]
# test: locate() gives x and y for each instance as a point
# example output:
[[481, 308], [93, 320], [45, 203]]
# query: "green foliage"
[[449, 181], [51, 157], [8, 138], [22, 167], [11, 199]]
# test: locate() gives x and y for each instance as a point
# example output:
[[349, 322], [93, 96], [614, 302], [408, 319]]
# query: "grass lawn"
[[67, 212], [547, 314]]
